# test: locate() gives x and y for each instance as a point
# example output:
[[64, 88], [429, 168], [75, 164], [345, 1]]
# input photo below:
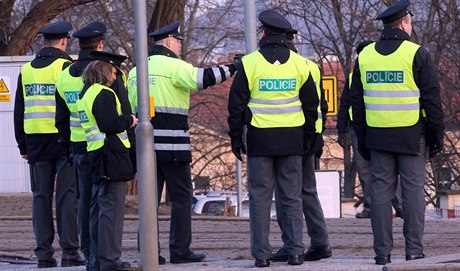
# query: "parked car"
[[195, 199], [213, 204]]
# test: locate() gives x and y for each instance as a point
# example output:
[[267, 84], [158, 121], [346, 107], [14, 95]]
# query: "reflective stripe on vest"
[[75, 124], [391, 96], [170, 110], [171, 134], [94, 137], [171, 147], [40, 103], [38, 87], [69, 88], [39, 115], [316, 75], [274, 100]]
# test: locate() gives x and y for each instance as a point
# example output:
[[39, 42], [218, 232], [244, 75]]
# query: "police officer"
[[313, 213], [69, 85], [345, 120], [108, 146], [395, 101], [38, 142], [170, 82], [269, 94]]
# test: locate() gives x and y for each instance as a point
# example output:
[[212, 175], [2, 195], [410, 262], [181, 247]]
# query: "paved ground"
[[226, 243]]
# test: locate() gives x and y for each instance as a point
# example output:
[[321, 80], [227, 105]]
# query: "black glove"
[[237, 61], [309, 141], [232, 68], [364, 152], [435, 146], [67, 150], [132, 156], [319, 153], [237, 58], [342, 139], [238, 150], [70, 159]]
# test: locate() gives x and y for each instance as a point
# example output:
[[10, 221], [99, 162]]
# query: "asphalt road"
[[226, 244]]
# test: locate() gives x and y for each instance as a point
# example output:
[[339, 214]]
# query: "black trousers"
[[43, 176], [85, 186], [179, 182]]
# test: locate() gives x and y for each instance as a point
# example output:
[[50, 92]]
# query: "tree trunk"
[[37, 17], [166, 12], [6, 7]]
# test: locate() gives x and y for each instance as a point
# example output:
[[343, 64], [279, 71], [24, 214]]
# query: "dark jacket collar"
[[52, 52], [161, 50], [394, 34], [76, 70], [273, 40], [84, 55]]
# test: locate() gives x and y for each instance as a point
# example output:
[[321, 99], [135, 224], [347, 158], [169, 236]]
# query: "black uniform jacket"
[[113, 160], [63, 113], [317, 143], [343, 117], [271, 141], [404, 140], [38, 147]]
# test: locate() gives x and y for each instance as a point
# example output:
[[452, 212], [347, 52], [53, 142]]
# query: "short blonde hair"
[[98, 72]]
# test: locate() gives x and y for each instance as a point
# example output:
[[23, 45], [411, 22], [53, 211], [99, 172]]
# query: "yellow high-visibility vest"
[[169, 84], [391, 96], [69, 87], [38, 87], [316, 75], [94, 137], [274, 100]]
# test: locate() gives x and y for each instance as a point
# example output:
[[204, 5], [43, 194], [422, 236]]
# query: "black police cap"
[[112, 58], [274, 21], [395, 12], [290, 38], [290, 33], [91, 33], [56, 30], [170, 30]]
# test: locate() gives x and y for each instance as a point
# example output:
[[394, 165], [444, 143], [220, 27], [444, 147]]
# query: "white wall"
[[14, 171]]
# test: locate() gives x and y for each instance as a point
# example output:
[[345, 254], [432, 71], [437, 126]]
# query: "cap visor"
[[178, 36]]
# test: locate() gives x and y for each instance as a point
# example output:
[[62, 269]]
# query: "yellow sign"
[[4, 92], [3, 87], [330, 94]]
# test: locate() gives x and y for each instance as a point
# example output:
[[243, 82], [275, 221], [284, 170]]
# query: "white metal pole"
[[250, 35], [146, 160]]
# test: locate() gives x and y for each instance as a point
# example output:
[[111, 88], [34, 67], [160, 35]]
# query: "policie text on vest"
[[40, 89], [384, 77], [277, 84]]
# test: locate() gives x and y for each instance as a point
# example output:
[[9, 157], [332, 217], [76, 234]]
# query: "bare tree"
[[166, 12], [329, 32], [437, 28], [19, 39]]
